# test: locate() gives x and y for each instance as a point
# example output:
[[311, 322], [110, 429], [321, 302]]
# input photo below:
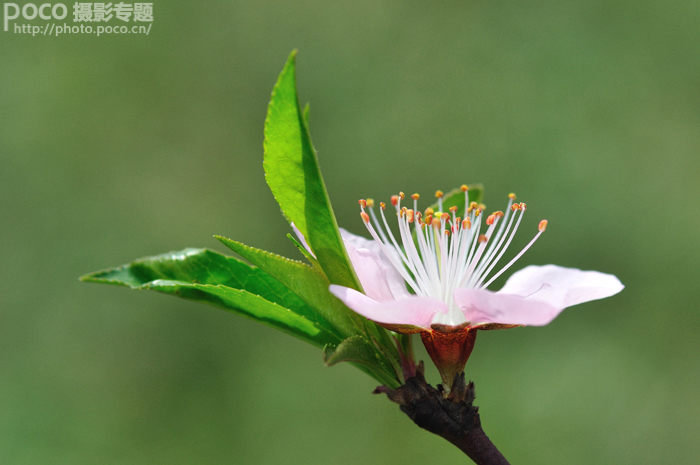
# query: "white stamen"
[[503, 250], [515, 259]]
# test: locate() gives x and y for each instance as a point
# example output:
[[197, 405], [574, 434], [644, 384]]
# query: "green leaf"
[[201, 266], [308, 284], [361, 351], [205, 276], [305, 253], [294, 177], [249, 305], [456, 198]]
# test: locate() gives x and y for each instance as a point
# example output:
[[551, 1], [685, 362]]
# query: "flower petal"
[[371, 272], [412, 310], [560, 286], [535, 295], [376, 273], [483, 306]]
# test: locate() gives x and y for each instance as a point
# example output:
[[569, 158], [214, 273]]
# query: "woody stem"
[[453, 417]]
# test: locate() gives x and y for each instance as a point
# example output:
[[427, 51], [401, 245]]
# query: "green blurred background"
[[122, 146]]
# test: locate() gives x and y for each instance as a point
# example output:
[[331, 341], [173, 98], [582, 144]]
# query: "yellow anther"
[[464, 188], [453, 209], [429, 211], [402, 195], [511, 196], [382, 205], [466, 224], [415, 196], [439, 194], [523, 207], [370, 203], [542, 226]]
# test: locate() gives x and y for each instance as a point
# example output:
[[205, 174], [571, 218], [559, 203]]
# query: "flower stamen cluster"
[[444, 251]]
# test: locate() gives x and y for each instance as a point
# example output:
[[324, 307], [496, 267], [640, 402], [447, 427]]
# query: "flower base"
[[449, 348]]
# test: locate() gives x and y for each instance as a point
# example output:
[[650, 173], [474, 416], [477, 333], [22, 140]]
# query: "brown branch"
[[452, 417]]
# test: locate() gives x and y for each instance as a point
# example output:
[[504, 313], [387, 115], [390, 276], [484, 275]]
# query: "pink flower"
[[448, 263]]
